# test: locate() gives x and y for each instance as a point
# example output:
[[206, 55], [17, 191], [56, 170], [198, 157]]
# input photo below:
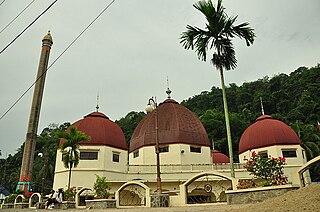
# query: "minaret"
[[30, 142]]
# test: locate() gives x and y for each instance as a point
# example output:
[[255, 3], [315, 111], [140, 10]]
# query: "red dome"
[[267, 131], [102, 131], [176, 124], [218, 157]]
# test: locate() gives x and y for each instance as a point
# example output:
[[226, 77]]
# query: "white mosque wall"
[[177, 154], [84, 175], [176, 166], [292, 163], [277, 151]]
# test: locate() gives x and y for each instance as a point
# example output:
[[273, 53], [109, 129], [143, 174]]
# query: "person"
[[60, 195], [51, 199]]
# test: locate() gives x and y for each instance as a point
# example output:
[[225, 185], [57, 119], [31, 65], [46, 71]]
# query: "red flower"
[[254, 154], [282, 159]]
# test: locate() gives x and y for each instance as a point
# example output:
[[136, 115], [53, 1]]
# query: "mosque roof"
[[218, 157], [176, 124], [267, 131], [102, 130]]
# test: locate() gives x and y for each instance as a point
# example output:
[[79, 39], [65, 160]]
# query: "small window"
[[164, 149], [88, 155], [195, 149], [289, 153], [136, 154], [263, 154], [116, 157]]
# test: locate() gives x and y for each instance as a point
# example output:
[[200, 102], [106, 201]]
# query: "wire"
[[28, 26], [16, 16], [24, 93], [2, 2]]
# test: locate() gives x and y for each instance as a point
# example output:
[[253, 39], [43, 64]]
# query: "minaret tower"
[[30, 142]]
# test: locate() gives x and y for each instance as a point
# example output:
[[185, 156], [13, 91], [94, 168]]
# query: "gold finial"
[[48, 37]]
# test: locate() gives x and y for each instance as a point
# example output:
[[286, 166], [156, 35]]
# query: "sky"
[[128, 53]]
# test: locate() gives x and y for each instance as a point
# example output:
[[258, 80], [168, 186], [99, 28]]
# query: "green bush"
[[101, 187], [11, 198]]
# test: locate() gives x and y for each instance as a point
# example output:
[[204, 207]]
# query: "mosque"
[[187, 163]]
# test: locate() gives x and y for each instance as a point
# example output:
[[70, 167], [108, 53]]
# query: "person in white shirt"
[[60, 195]]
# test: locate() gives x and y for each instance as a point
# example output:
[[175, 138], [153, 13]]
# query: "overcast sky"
[[127, 54]]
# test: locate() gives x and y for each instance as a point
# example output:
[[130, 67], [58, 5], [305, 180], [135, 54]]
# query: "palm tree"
[[217, 36], [309, 137], [70, 148]]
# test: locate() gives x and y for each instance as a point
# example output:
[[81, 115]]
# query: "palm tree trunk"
[[70, 175], [226, 115]]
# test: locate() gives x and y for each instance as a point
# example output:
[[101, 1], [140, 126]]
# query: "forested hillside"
[[293, 99]]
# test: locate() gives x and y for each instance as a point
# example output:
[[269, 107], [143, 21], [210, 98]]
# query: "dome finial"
[[97, 107], [168, 90], [261, 103]]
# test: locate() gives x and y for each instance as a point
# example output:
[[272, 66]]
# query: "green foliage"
[[285, 97], [11, 198], [269, 169], [101, 187], [43, 167], [129, 123]]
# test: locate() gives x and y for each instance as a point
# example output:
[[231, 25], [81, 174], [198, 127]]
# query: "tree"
[[44, 163], [309, 136], [218, 35], [70, 148], [129, 123]]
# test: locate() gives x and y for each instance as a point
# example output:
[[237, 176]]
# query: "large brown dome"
[[176, 124], [267, 131], [102, 130]]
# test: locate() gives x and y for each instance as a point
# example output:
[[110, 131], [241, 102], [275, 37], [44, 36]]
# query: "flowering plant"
[[269, 169], [70, 194]]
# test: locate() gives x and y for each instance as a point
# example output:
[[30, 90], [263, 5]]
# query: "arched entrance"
[[206, 187], [34, 199], [83, 195], [133, 194]]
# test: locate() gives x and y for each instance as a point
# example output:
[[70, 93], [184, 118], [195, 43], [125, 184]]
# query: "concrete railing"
[[182, 168]]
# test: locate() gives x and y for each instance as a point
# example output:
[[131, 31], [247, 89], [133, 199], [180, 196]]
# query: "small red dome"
[[218, 157], [102, 131], [267, 131], [176, 124]]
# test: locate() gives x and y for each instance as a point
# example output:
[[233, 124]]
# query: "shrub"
[[11, 198], [246, 183], [101, 187], [269, 169]]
